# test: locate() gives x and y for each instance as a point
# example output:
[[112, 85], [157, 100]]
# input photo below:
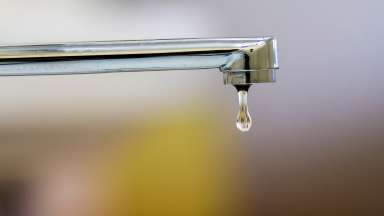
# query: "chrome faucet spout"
[[243, 61]]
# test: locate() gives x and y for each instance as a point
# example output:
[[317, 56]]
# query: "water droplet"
[[243, 121]]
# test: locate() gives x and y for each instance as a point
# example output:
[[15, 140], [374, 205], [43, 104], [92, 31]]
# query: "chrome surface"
[[242, 60]]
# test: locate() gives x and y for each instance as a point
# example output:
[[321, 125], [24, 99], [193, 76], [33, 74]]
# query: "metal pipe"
[[242, 60]]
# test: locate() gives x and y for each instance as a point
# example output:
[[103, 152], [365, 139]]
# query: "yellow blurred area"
[[175, 168]]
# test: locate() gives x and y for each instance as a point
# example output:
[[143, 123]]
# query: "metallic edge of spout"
[[253, 64]]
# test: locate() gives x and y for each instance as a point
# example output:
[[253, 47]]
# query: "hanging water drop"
[[243, 121]]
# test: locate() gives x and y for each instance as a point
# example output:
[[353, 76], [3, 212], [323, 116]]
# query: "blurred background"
[[144, 144]]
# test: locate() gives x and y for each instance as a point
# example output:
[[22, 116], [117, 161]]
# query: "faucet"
[[243, 61]]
